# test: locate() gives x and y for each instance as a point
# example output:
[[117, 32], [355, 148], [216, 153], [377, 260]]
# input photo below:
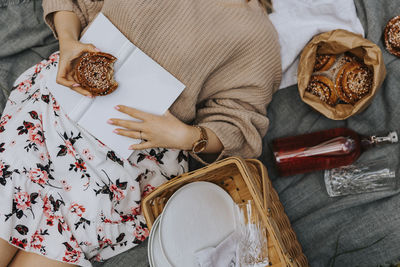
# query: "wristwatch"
[[200, 144]]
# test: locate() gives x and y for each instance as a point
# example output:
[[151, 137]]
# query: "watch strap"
[[202, 142]]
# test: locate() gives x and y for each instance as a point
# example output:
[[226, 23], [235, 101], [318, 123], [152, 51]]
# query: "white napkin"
[[223, 255], [297, 21]]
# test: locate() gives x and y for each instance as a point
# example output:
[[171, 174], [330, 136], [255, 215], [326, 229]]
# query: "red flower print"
[[24, 86], [67, 188], [98, 258], [80, 165], [73, 239], [86, 152], [77, 209], [132, 188], [46, 207], [147, 190], [12, 143], [72, 256], [53, 58], [48, 212], [42, 157], [141, 233], [3, 121], [35, 96], [100, 229], [19, 243], [1, 168], [70, 148], [36, 241], [56, 107], [23, 200], [39, 66], [38, 176], [136, 210], [117, 192], [36, 134], [104, 242]]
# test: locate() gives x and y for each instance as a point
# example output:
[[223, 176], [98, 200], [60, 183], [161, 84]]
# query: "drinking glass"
[[252, 249], [374, 175]]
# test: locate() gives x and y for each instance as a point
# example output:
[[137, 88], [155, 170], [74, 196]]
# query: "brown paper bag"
[[337, 42]]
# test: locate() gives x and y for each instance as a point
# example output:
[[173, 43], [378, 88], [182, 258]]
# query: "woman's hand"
[[70, 50], [156, 131]]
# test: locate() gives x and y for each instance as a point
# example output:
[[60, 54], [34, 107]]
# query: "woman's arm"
[[68, 28], [67, 25], [162, 131], [85, 10]]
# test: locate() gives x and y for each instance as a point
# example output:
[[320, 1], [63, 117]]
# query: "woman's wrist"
[[65, 37], [190, 135], [67, 25]]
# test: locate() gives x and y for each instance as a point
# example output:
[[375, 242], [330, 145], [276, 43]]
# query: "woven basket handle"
[[266, 184]]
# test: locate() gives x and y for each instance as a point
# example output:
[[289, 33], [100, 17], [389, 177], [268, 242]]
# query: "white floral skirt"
[[63, 193]]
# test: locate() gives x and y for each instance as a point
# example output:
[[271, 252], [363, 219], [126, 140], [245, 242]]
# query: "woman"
[[65, 197]]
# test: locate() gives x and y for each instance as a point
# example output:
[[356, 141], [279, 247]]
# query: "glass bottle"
[[323, 150]]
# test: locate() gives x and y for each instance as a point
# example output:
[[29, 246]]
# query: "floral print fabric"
[[63, 193]]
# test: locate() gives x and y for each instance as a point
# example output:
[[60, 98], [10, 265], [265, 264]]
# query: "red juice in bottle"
[[322, 150]]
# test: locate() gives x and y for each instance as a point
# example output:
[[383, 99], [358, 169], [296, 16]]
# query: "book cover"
[[143, 84]]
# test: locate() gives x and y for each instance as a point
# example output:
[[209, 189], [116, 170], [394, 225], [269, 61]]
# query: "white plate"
[[154, 253], [197, 216]]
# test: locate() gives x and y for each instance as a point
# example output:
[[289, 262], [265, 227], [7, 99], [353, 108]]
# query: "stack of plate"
[[197, 216]]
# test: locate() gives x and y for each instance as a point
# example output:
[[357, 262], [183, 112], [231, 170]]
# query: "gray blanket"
[[359, 230]]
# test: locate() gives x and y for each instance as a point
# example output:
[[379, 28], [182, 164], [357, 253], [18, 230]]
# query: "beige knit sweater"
[[226, 52]]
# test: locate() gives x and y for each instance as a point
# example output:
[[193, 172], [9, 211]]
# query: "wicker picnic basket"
[[243, 180]]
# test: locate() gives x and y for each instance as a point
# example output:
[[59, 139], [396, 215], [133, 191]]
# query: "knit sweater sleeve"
[[243, 87], [84, 9]]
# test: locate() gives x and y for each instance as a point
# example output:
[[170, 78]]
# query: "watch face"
[[199, 146]]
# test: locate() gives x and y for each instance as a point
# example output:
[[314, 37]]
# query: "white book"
[[143, 84]]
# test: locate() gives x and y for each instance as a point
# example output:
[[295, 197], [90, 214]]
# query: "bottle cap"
[[393, 137]]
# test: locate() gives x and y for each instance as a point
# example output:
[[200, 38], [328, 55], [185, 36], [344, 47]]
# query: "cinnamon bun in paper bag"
[[339, 73]]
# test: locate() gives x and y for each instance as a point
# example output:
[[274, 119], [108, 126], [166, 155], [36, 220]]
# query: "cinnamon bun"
[[353, 81], [95, 73], [322, 87], [324, 62], [392, 36]]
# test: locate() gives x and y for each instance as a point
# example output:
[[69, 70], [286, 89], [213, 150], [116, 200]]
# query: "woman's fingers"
[[80, 90], [90, 48], [145, 144], [64, 77], [135, 113], [131, 134], [141, 146], [73, 85], [131, 125], [77, 87]]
